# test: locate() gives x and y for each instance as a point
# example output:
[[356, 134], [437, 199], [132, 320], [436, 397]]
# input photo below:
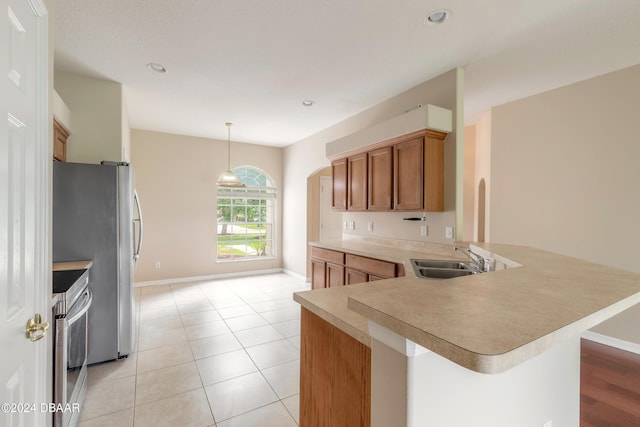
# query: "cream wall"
[[125, 148], [100, 125], [306, 156], [565, 175], [469, 203], [176, 180], [482, 172]]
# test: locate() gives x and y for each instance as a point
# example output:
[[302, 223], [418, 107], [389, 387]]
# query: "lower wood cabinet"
[[335, 376], [327, 268], [359, 269], [354, 276], [333, 268]]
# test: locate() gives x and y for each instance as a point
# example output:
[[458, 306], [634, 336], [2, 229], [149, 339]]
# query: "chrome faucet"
[[478, 260]]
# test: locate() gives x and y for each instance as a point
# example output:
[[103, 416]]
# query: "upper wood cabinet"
[[357, 182], [381, 179], [408, 171], [60, 136], [402, 174], [434, 171], [339, 184]]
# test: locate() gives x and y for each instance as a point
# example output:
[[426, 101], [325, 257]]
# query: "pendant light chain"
[[228, 125], [228, 178]]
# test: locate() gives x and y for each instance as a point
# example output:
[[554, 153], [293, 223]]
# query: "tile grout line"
[[237, 293]]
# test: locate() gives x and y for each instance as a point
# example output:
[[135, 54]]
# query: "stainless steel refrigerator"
[[97, 216]]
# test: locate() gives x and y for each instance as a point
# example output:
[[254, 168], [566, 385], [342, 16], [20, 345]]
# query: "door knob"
[[34, 325]]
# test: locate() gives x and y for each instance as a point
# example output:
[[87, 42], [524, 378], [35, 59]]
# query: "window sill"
[[257, 258]]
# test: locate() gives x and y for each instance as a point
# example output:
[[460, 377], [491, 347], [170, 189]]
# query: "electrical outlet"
[[370, 226], [352, 225], [157, 264], [345, 225], [448, 232], [423, 230]]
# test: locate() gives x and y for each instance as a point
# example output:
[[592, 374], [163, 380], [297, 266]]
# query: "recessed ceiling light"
[[308, 103], [159, 68], [437, 17]]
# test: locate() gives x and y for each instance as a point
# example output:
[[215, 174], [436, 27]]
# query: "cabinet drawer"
[[371, 266], [328, 255]]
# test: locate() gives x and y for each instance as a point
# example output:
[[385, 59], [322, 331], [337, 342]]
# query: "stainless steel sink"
[[440, 263], [442, 269]]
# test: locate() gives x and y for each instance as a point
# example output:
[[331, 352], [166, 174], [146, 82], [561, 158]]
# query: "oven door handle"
[[83, 308]]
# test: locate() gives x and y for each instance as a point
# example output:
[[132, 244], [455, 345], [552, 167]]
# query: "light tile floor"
[[219, 353]]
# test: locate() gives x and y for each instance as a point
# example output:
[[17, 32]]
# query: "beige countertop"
[[72, 265], [68, 265], [487, 322]]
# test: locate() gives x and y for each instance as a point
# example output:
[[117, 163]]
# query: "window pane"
[[224, 213], [238, 214], [244, 217]]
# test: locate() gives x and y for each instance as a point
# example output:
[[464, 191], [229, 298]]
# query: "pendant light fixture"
[[228, 178]]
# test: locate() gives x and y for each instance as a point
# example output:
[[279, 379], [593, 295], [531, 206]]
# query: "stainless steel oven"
[[71, 336]]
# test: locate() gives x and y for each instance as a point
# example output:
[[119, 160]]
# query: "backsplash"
[[392, 225]]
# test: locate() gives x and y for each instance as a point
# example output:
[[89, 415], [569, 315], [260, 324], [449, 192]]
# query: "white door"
[[24, 171], [330, 220]]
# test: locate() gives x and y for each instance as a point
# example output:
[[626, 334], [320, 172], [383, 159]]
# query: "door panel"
[[357, 182], [24, 171], [381, 179], [408, 175], [339, 186], [318, 274], [335, 275]]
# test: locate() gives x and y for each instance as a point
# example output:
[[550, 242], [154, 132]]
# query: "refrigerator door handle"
[[137, 246]]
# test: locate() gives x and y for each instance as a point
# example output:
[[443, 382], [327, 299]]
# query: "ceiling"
[[253, 62]]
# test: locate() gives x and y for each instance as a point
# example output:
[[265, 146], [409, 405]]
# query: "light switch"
[[448, 232], [370, 226], [352, 225]]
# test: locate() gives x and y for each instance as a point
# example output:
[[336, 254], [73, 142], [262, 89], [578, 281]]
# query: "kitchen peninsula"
[[493, 349]]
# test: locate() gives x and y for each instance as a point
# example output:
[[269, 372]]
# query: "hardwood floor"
[[609, 386]]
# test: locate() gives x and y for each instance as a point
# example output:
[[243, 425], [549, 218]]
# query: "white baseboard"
[[296, 275], [612, 342], [211, 277]]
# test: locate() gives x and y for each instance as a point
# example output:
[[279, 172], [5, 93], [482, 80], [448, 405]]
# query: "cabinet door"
[[339, 184], [357, 180], [408, 175], [434, 172], [60, 136], [335, 275], [381, 179], [354, 276], [318, 274]]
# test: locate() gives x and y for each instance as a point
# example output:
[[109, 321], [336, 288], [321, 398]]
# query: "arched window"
[[246, 217]]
